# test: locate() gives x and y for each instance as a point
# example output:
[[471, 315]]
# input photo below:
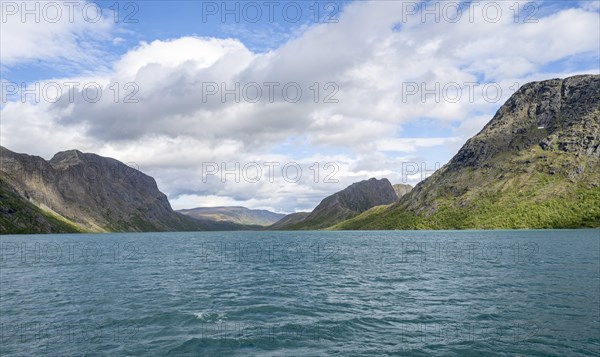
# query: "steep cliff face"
[[534, 165], [348, 203], [93, 192]]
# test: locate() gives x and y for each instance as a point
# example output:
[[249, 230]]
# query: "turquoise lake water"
[[443, 293]]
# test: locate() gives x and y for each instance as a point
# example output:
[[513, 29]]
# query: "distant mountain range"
[[536, 164], [239, 215]]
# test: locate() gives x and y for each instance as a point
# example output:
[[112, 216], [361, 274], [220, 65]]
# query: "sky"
[[276, 104]]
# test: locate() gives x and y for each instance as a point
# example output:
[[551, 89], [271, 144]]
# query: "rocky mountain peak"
[[68, 158], [560, 114], [360, 196], [349, 202]]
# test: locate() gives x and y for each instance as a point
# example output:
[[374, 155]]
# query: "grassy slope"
[[520, 193], [321, 222], [18, 216]]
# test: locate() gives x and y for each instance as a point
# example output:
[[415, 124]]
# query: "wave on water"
[[210, 316]]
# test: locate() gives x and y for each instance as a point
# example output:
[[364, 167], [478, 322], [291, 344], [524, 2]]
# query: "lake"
[[408, 293]]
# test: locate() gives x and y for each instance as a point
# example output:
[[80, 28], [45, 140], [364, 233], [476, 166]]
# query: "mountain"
[[536, 164], [292, 221], [84, 192], [401, 189], [239, 215], [18, 215], [348, 203], [289, 220]]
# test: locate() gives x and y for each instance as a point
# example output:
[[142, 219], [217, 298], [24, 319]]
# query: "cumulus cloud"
[[69, 34], [375, 71]]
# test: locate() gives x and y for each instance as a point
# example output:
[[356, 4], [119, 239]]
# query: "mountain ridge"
[[347, 203], [92, 193], [534, 165]]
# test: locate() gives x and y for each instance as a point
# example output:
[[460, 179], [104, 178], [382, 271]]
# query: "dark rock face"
[[557, 116], [560, 113], [361, 196], [94, 192], [348, 203]]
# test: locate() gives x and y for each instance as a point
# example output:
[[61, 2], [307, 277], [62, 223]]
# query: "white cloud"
[[53, 32], [201, 53], [410, 145], [118, 41]]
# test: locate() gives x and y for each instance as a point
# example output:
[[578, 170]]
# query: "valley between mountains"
[[536, 164]]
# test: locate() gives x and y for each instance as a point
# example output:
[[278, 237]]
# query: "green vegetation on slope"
[[347, 203], [22, 217], [536, 164], [519, 197], [56, 196], [578, 210]]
